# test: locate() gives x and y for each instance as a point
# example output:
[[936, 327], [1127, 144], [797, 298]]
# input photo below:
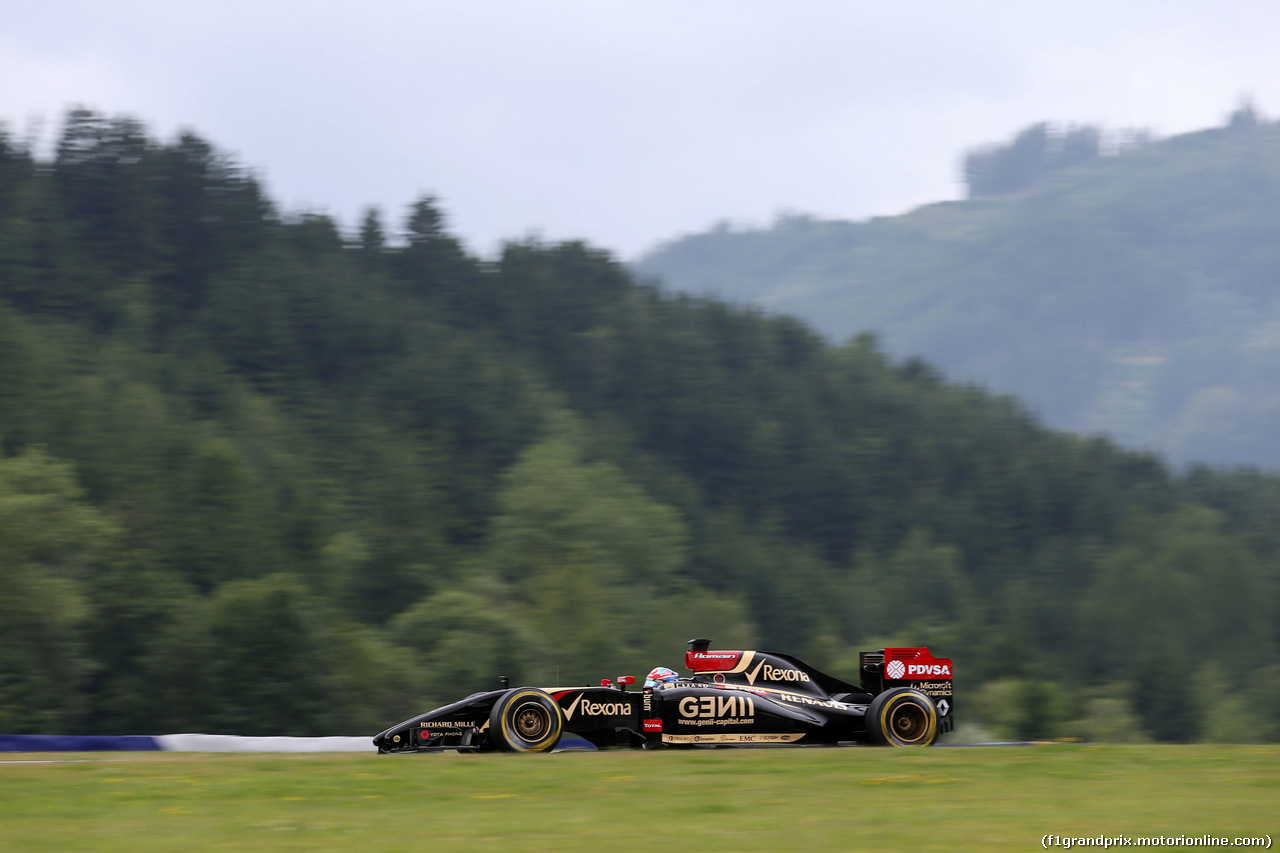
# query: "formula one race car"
[[744, 698]]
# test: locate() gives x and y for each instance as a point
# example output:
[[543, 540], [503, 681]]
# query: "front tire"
[[902, 717], [525, 719]]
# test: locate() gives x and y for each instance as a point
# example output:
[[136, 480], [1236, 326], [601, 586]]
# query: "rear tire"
[[902, 717], [525, 719]]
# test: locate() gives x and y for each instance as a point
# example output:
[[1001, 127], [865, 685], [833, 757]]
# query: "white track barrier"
[[237, 743]]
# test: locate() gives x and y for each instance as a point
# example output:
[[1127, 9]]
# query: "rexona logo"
[[597, 709], [767, 672]]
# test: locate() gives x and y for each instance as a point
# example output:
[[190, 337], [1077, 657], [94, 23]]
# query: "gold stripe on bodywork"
[[732, 738]]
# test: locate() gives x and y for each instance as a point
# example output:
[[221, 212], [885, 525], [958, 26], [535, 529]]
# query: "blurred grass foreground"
[[996, 798]]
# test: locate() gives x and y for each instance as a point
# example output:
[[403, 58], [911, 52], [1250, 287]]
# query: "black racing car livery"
[[732, 698]]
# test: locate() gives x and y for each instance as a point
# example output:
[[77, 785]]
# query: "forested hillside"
[[1115, 284], [263, 477]]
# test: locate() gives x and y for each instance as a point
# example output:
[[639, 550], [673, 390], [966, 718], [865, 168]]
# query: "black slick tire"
[[902, 717], [525, 719]]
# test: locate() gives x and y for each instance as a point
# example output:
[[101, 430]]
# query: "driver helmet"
[[659, 675]]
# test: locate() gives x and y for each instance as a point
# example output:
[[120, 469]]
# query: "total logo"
[[597, 709], [897, 669], [767, 672]]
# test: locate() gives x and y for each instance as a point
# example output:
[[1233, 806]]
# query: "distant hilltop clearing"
[[1134, 295]]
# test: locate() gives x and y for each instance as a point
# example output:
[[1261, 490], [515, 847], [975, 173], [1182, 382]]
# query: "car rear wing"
[[916, 668]]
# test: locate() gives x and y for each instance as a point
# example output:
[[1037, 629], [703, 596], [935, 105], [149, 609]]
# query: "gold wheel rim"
[[909, 722], [532, 721]]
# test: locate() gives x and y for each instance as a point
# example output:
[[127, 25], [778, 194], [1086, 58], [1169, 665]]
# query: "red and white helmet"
[[659, 675]]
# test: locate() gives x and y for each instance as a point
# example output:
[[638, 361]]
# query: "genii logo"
[[717, 707]]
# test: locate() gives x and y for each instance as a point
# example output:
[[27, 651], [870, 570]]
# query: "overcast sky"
[[628, 123]]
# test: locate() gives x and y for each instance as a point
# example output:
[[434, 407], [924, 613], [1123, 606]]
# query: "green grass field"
[[1001, 798]]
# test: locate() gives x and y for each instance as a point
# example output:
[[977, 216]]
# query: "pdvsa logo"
[[897, 669], [926, 669], [597, 709], [767, 672]]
